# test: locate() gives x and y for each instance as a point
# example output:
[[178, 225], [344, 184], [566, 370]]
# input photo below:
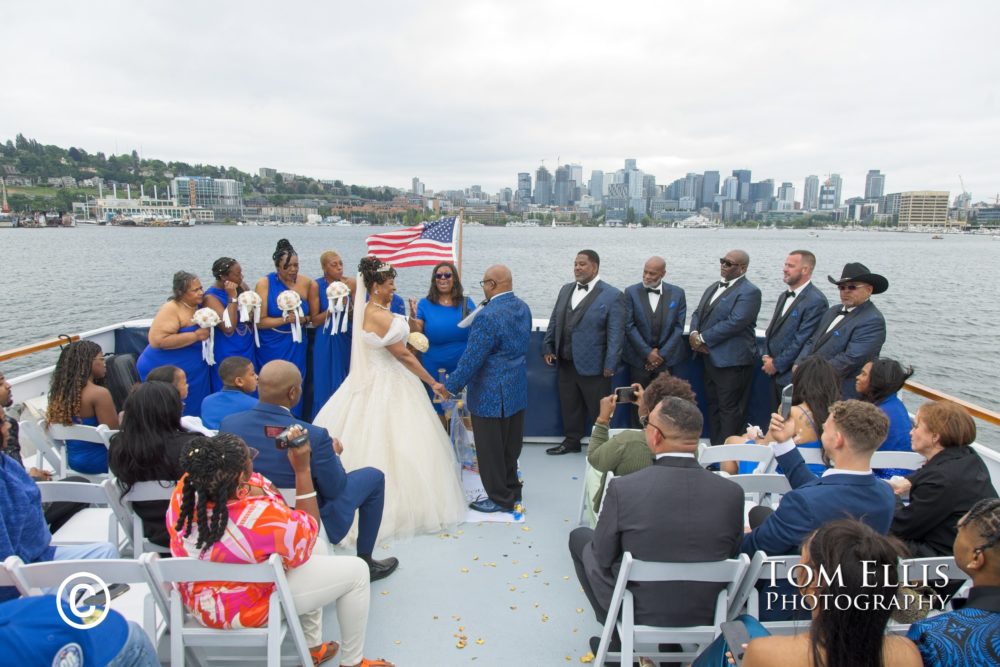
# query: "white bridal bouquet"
[[206, 318], [250, 304], [336, 295], [418, 341], [289, 301]]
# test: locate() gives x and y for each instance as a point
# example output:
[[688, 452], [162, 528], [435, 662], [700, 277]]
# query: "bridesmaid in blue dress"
[[879, 382], [235, 340], [331, 358], [174, 340], [275, 327], [437, 316]]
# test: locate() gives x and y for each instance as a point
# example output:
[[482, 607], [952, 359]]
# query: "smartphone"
[[97, 600], [736, 635], [786, 402], [625, 394]]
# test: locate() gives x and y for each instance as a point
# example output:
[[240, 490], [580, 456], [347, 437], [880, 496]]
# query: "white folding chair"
[[141, 603], [34, 434], [812, 455], [903, 460], [140, 492], [98, 435], [589, 490], [7, 579], [188, 632], [83, 527], [767, 569], [762, 488], [761, 454], [925, 572], [729, 572]]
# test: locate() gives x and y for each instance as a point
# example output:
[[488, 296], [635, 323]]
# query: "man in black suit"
[[654, 325], [795, 318], [585, 336], [723, 330], [641, 514]]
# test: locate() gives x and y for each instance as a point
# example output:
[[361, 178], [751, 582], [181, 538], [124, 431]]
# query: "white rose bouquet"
[[289, 301], [418, 341], [206, 318], [336, 295], [250, 305]]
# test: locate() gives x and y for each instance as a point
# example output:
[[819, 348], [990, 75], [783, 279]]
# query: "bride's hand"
[[440, 390], [338, 447]]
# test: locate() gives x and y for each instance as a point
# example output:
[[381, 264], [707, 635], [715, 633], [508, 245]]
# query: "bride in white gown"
[[384, 419]]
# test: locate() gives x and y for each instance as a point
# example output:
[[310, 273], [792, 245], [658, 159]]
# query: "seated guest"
[[239, 381], [148, 449], [76, 398], [11, 446], [637, 517], [879, 382], [245, 521], [23, 531], [190, 422], [948, 484], [842, 635], [968, 636], [815, 387], [341, 493], [627, 451], [851, 434]]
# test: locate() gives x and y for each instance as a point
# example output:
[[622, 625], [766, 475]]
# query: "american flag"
[[423, 245]]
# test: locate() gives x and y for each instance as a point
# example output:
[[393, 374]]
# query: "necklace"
[[379, 305]]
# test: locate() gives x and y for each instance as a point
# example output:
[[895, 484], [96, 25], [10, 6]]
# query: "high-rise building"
[[731, 188], [874, 184], [924, 207], [596, 188], [648, 186], [630, 164], [633, 177], [743, 175], [838, 185], [709, 187], [786, 192], [223, 195], [829, 193], [810, 194], [418, 187], [543, 187], [576, 174], [563, 193], [890, 203], [524, 187], [762, 191]]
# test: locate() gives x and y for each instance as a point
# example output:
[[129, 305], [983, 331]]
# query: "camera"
[[625, 395], [284, 440]]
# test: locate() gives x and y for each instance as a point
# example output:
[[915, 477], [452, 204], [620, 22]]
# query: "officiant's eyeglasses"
[[442, 276], [482, 283]]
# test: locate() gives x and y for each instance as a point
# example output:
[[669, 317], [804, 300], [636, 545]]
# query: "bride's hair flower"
[[419, 342]]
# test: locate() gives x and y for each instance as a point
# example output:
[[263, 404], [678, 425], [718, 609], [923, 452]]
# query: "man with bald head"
[[723, 331], [495, 368], [340, 493], [655, 312]]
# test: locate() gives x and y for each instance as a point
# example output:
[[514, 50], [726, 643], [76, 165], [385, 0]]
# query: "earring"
[[242, 491]]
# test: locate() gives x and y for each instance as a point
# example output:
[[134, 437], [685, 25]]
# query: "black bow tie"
[[843, 311], [789, 294], [582, 286], [724, 284], [653, 290]]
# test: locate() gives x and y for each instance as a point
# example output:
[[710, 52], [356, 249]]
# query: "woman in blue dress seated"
[[331, 358], [815, 387], [879, 382], [437, 316], [76, 398], [175, 340], [277, 327], [236, 338]]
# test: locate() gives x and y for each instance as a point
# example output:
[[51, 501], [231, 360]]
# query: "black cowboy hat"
[[856, 272]]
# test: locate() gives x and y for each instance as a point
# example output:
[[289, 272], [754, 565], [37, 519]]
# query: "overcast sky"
[[466, 92]]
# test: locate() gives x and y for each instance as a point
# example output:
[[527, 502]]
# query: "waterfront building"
[[596, 188], [686, 203], [731, 210], [648, 186], [874, 184], [563, 193], [810, 193], [923, 207], [988, 216], [417, 187], [762, 191], [223, 196], [709, 188], [267, 172], [786, 193], [830, 192], [524, 187], [576, 174], [743, 176], [106, 209], [630, 164], [731, 188], [543, 187], [890, 203]]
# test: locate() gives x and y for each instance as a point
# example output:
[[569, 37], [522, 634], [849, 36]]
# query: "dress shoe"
[[563, 449], [380, 569], [486, 505]]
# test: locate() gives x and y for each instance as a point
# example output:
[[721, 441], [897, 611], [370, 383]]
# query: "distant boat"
[[937, 237]]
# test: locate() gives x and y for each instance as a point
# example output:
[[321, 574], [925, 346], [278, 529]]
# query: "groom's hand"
[[441, 391], [338, 447]]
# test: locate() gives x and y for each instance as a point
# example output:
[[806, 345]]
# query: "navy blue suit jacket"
[[815, 500], [639, 325], [329, 477], [787, 335], [854, 342], [729, 327], [599, 335], [494, 364], [222, 403]]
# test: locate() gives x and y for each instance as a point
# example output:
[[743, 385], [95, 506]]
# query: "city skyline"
[[474, 93]]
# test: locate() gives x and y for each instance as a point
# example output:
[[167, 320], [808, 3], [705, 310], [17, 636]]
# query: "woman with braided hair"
[[76, 398], [971, 635], [236, 338], [175, 340], [224, 512], [277, 327]]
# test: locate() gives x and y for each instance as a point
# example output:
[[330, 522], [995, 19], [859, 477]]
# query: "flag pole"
[[461, 224]]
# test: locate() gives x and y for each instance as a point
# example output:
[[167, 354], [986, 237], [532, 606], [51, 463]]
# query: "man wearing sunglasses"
[[723, 330], [851, 334]]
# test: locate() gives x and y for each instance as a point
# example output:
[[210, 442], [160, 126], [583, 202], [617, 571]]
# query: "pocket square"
[[836, 333], [795, 313], [673, 304]]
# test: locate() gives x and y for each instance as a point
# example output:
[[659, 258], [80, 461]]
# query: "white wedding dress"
[[383, 417]]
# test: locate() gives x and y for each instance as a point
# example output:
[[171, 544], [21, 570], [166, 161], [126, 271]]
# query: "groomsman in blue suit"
[[585, 336], [495, 368], [655, 313], [851, 334], [795, 318], [723, 330]]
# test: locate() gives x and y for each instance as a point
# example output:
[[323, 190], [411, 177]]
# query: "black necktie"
[[582, 286], [789, 294], [653, 290]]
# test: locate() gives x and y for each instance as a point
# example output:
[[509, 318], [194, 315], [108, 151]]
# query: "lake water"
[[942, 309]]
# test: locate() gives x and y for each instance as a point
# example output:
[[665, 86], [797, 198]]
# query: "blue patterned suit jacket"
[[598, 337], [787, 335], [494, 364], [729, 328], [639, 328], [854, 342]]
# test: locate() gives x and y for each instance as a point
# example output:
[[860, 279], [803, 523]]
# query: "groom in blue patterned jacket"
[[495, 368]]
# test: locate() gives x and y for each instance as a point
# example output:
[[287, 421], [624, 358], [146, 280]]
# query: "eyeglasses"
[[252, 452], [644, 422], [728, 264], [849, 288], [482, 283], [442, 276]]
